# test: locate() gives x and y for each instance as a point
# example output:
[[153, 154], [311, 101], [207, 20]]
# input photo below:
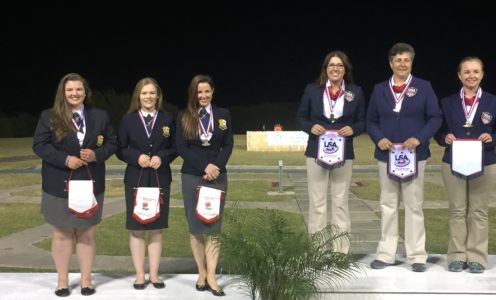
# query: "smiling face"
[[470, 74], [148, 97], [401, 64], [74, 93], [205, 93], [335, 70]]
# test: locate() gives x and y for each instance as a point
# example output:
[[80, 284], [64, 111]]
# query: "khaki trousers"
[[412, 194], [468, 220], [318, 181]]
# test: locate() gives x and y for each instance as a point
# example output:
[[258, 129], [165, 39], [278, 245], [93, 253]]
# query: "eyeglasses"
[[337, 66]]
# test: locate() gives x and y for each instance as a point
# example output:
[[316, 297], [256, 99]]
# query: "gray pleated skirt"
[[189, 183], [55, 211]]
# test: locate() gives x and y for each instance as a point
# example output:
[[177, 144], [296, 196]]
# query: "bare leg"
[[197, 244], [137, 246], [61, 252], [154, 253], [212, 254], [85, 251]]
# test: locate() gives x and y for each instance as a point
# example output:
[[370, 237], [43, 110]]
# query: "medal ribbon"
[[76, 125], [469, 113], [399, 98], [148, 133], [332, 102], [204, 131]]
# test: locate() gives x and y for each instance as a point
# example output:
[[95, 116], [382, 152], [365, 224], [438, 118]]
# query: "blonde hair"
[[135, 104]]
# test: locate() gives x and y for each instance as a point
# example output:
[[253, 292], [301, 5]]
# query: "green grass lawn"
[[11, 180], [112, 237], [369, 189], [436, 226], [251, 190], [17, 217], [364, 153]]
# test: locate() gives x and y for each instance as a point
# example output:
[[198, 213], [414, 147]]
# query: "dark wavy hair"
[[348, 68], [61, 118], [190, 121]]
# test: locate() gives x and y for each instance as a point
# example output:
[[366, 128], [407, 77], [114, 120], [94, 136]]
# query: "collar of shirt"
[[145, 113], [208, 108], [80, 111]]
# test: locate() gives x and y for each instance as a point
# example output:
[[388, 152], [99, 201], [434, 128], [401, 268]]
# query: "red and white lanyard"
[[470, 112], [205, 132], [152, 121], [398, 99], [332, 103]]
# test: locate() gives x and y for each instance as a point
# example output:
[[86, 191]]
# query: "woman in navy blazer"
[[146, 144], [469, 113], [68, 148], [205, 146], [332, 103], [403, 109]]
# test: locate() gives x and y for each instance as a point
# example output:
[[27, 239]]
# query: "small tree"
[[275, 262]]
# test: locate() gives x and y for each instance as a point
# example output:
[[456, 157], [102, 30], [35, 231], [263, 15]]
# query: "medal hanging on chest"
[[332, 99], [469, 110], [206, 126], [398, 97]]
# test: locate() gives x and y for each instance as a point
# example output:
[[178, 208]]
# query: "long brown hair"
[[190, 121], [61, 118], [348, 68], [135, 104]]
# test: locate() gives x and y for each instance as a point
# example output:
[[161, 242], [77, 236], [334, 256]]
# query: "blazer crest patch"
[[349, 96], [412, 91], [486, 117], [222, 124], [166, 131]]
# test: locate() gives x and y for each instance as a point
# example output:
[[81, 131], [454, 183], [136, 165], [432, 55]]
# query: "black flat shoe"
[[158, 285], [139, 286], [218, 292], [87, 291], [202, 287], [64, 292]]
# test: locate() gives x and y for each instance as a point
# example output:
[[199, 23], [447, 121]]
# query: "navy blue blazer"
[[99, 137], [454, 119], [419, 117], [311, 112], [195, 156], [134, 141]]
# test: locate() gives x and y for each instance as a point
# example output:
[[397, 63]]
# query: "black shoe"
[[202, 287], [218, 292], [378, 264], [158, 285], [139, 286], [64, 292], [87, 291], [418, 267]]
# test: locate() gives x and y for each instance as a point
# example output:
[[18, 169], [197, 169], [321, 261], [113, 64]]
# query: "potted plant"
[[275, 261]]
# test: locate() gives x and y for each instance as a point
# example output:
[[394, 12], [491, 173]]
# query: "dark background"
[[257, 54]]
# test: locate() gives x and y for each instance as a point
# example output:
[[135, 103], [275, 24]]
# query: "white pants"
[[412, 194], [318, 180]]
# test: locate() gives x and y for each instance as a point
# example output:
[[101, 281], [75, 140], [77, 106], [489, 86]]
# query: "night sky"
[[255, 54]]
